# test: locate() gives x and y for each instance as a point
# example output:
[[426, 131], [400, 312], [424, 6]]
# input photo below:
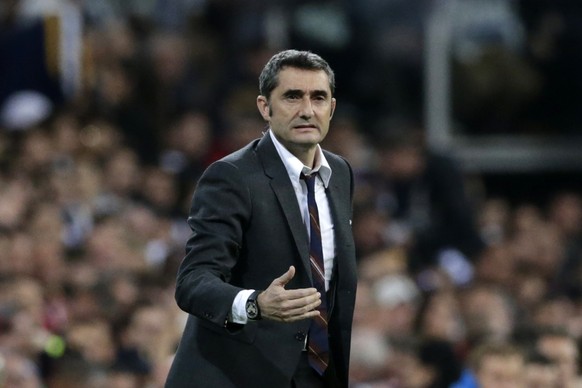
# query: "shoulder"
[[241, 167], [237, 162], [342, 173], [336, 161], [241, 155], [339, 165]]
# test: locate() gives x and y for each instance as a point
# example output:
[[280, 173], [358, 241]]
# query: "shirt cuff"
[[239, 311]]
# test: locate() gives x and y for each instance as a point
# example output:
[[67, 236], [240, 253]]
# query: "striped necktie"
[[318, 343]]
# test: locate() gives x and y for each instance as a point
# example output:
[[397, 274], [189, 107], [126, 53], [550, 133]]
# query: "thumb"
[[285, 278]]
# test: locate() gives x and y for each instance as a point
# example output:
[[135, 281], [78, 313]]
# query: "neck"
[[306, 156], [306, 153]]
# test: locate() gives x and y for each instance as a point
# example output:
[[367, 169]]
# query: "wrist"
[[252, 307]]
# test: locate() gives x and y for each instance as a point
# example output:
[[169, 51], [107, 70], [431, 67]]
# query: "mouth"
[[306, 127]]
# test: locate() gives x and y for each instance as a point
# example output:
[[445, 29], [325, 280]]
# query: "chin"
[[307, 143], [309, 138]]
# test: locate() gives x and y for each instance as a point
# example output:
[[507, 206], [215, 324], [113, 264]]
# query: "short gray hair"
[[269, 78]]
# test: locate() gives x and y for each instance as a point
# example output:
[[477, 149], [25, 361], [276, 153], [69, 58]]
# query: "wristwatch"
[[252, 307]]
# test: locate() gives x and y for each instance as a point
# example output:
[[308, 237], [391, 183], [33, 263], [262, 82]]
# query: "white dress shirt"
[[295, 168]]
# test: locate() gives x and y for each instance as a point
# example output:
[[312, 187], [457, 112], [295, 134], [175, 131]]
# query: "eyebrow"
[[299, 92]]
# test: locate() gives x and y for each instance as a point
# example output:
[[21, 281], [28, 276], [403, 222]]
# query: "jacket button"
[[300, 336]]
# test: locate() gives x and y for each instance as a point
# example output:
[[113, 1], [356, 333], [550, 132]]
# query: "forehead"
[[292, 78]]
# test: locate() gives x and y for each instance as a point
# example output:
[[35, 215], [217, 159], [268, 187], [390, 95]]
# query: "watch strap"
[[253, 300]]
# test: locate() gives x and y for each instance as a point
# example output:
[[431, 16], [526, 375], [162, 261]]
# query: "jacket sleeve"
[[221, 208]]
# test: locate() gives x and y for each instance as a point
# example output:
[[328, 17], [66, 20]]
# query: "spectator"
[[562, 348], [498, 365], [19, 371], [440, 318], [424, 196], [540, 372], [489, 314], [424, 363]]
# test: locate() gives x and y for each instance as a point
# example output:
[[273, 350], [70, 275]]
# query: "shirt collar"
[[295, 167]]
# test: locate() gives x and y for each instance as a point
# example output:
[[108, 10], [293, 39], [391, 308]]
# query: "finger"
[[308, 308], [285, 278], [308, 312], [292, 308], [308, 315], [299, 293]]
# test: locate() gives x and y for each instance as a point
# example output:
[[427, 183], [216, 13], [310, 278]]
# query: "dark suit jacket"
[[246, 231]]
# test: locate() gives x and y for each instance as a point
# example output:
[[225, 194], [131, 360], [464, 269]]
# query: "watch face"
[[252, 310]]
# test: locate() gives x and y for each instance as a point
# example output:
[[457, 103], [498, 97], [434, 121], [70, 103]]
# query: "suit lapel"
[[281, 185]]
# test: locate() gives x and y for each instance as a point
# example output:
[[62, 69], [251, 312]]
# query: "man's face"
[[403, 164], [563, 352], [501, 372], [300, 108]]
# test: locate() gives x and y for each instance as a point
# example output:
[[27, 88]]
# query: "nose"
[[306, 109]]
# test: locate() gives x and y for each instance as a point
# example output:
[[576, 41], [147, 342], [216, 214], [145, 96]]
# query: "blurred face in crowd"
[[566, 213], [488, 312], [564, 352], [442, 318], [411, 372], [501, 371], [539, 375], [122, 171], [299, 109], [403, 164], [18, 372], [93, 340]]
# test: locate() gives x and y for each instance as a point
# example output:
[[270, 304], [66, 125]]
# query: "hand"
[[278, 304]]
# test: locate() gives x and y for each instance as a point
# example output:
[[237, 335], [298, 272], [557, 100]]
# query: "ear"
[[333, 102], [263, 106]]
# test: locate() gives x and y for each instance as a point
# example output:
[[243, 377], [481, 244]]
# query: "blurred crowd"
[[456, 287]]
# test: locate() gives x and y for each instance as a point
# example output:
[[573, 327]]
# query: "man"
[[498, 365], [269, 277], [561, 347], [423, 193], [540, 371]]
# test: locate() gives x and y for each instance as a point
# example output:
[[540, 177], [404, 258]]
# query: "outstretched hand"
[[278, 304]]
